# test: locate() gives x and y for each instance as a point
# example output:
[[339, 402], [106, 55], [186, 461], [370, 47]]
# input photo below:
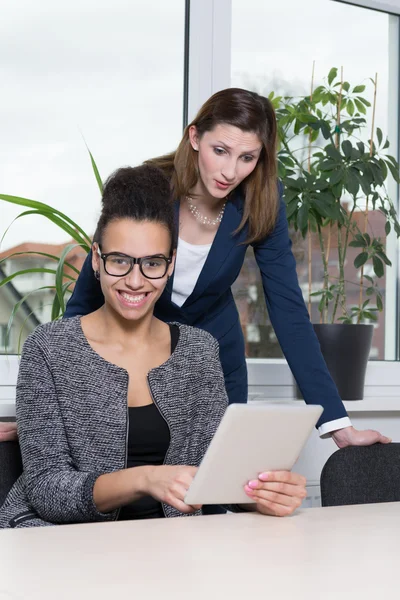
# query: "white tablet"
[[251, 439]]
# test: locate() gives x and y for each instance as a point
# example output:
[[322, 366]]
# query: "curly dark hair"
[[139, 193]]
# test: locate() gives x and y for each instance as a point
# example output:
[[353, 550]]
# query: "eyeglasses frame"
[[134, 261]]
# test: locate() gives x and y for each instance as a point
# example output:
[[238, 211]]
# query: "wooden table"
[[339, 553]]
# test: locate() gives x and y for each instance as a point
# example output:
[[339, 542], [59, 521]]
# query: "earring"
[[97, 275]]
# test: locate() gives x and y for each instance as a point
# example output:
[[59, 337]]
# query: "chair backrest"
[[362, 475], [10, 467]]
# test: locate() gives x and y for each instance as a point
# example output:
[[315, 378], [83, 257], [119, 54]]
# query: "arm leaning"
[[290, 320]]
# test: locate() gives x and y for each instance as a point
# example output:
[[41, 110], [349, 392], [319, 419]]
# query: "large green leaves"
[[330, 171]]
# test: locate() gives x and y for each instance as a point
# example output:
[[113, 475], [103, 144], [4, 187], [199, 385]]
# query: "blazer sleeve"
[[291, 323], [87, 295], [57, 491]]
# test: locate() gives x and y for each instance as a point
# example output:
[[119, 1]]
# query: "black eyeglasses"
[[119, 265]]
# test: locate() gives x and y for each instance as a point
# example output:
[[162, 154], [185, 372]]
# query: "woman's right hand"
[[169, 484], [8, 432]]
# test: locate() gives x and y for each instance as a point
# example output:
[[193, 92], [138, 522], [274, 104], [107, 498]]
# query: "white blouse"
[[190, 259]]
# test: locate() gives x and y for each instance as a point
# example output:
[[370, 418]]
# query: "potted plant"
[[334, 166]]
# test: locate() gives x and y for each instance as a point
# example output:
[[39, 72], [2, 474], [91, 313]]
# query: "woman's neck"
[[203, 198], [115, 329]]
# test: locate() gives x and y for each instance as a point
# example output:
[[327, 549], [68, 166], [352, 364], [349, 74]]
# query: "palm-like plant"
[[65, 274]]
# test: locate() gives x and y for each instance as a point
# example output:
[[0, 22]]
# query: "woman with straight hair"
[[223, 176], [115, 409]]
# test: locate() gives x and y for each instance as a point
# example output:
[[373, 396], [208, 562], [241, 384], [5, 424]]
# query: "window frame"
[[207, 69]]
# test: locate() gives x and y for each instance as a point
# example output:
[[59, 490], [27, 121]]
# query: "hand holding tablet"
[[250, 457]]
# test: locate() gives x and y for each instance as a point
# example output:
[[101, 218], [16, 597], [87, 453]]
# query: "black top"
[[148, 441]]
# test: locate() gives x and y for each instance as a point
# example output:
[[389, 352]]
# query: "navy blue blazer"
[[211, 307]]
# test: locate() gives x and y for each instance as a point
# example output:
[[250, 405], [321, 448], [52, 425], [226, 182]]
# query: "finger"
[[176, 498], [274, 497], [369, 437], [385, 440], [274, 510], [181, 506], [286, 489], [282, 476]]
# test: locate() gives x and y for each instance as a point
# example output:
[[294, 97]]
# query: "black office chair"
[[10, 467], [362, 475]]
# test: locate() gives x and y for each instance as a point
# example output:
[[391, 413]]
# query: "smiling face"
[[132, 296], [226, 156]]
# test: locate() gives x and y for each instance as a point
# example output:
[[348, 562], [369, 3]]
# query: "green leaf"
[[302, 218], [387, 227], [332, 75], [51, 256], [360, 106], [361, 259], [379, 302], [383, 169], [359, 89], [369, 315], [378, 266], [361, 147], [95, 169], [333, 153], [297, 184], [379, 135], [347, 148], [14, 311], [352, 184], [336, 176], [364, 101], [25, 272], [394, 171], [350, 107], [281, 170], [60, 275], [346, 86], [357, 244], [52, 214], [383, 257]]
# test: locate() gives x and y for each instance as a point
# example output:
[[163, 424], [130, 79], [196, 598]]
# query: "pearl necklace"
[[202, 218]]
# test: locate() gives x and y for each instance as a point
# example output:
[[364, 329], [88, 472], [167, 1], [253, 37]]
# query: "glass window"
[[275, 52], [106, 73]]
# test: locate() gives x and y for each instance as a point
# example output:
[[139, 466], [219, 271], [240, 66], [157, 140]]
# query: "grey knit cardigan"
[[73, 419]]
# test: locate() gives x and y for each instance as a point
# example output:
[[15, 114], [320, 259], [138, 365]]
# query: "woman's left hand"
[[348, 436], [277, 493]]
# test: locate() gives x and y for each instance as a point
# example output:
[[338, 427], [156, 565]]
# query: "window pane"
[[106, 73], [275, 52]]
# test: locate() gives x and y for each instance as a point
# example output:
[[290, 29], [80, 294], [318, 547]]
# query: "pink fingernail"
[[253, 484], [263, 476], [248, 491]]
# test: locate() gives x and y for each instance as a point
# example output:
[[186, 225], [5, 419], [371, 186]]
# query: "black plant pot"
[[345, 349]]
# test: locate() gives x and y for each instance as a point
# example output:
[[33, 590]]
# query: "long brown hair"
[[249, 112]]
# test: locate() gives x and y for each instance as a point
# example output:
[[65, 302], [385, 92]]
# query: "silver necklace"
[[202, 218]]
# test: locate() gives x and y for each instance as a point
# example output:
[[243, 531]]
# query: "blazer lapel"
[[223, 243]]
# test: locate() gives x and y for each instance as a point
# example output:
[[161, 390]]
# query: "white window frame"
[[209, 70], [388, 6]]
